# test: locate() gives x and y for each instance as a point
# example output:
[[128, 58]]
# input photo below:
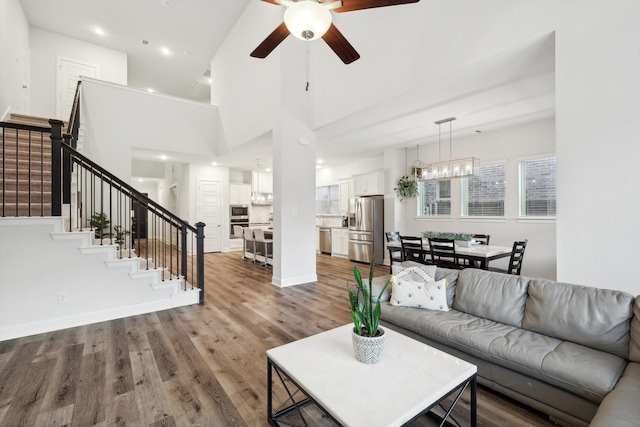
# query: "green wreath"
[[407, 188]]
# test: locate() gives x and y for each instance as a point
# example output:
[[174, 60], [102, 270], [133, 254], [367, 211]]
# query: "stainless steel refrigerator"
[[366, 229]]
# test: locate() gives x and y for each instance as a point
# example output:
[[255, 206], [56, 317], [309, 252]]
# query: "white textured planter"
[[368, 349], [463, 243]]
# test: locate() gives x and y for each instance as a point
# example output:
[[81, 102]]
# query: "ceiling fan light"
[[307, 20]]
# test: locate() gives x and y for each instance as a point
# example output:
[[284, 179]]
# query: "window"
[[328, 200], [434, 198], [538, 187], [484, 193]]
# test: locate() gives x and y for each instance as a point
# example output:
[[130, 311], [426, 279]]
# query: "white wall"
[[14, 57], [597, 99], [331, 175], [119, 119], [244, 88], [95, 291], [45, 49]]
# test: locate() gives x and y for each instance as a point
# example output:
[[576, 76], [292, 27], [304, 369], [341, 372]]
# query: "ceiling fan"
[[311, 19]]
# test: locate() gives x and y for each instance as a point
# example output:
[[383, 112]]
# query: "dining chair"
[[482, 239], [395, 252], [249, 240], [412, 249], [259, 239], [443, 253], [515, 261]]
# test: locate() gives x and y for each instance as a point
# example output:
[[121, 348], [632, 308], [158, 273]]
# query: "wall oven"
[[233, 222]]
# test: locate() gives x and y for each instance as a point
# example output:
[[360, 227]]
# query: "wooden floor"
[[202, 365]]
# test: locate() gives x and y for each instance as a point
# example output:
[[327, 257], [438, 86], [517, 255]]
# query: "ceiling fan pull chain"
[[308, 53]]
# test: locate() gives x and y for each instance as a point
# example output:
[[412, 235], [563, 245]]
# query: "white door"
[[209, 211], [69, 72]]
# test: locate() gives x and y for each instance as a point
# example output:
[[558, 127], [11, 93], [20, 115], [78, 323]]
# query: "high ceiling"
[[509, 89]]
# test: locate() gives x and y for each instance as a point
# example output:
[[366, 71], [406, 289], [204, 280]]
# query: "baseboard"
[[49, 325], [300, 280]]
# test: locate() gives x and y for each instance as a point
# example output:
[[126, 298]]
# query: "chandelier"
[[448, 169]]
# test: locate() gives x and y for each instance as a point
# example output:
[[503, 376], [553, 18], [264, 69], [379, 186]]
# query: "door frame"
[[221, 209], [59, 60]]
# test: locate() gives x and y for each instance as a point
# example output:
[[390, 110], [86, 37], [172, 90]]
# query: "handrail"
[[20, 126], [74, 110], [111, 178]]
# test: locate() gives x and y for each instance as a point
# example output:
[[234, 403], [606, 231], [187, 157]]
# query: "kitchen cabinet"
[[346, 192], [340, 241], [369, 184], [262, 182], [239, 194]]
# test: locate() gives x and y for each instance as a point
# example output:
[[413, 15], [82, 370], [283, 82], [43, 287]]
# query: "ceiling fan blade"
[[271, 42], [340, 45], [350, 5]]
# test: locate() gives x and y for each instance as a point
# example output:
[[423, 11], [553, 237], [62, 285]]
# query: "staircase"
[[54, 273], [25, 173]]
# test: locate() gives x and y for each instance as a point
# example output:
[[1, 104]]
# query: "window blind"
[[537, 187], [484, 194]]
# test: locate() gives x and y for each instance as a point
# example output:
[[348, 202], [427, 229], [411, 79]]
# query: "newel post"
[[183, 252], [56, 165], [200, 258], [66, 171]]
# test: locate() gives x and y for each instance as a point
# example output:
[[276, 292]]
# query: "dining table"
[[478, 255]]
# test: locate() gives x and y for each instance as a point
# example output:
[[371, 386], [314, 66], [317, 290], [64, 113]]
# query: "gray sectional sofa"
[[570, 351]]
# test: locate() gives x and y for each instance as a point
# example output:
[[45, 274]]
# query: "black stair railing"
[[119, 214]]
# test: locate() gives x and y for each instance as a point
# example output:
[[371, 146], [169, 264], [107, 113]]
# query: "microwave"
[[239, 211]]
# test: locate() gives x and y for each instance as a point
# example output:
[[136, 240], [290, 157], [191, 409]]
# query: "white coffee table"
[[410, 380]]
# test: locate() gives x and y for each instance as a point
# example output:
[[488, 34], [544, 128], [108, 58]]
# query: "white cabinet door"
[[262, 182], [368, 184], [239, 194], [346, 192], [336, 242], [344, 237]]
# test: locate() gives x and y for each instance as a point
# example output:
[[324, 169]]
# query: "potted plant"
[[367, 336], [99, 222], [120, 235], [461, 239], [406, 187]]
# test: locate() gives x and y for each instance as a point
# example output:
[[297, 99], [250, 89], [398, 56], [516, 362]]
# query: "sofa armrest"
[[621, 406]]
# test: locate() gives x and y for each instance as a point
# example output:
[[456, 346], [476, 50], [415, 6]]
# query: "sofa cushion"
[[522, 351], [414, 271], [634, 333], [596, 318], [475, 337], [495, 296], [452, 280], [581, 370], [376, 286], [429, 295], [437, 327], [620, 408]]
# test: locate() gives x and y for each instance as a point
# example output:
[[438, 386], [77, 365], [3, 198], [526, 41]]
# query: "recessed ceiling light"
[[165, 51], [478, 131], [163, 157], [140, 180], [166, 2], [268, 170], [149, 90], [320, 161], [99, 31], [214, 164], [145, 41]]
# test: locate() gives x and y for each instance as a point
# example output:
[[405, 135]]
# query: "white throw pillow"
[[429, 295], [418, 273]]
